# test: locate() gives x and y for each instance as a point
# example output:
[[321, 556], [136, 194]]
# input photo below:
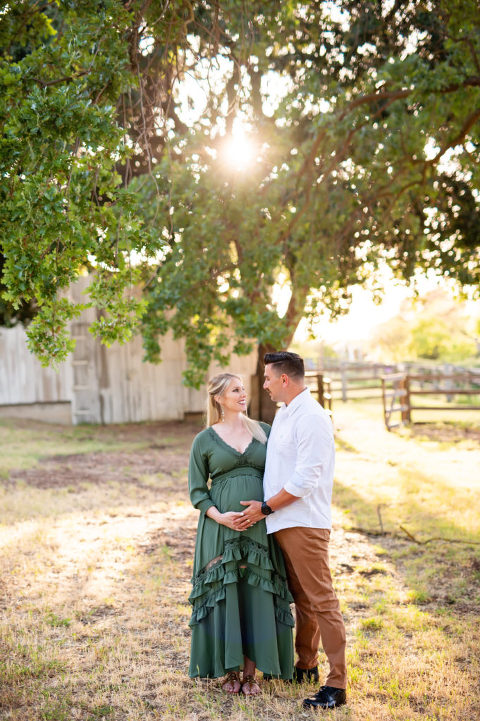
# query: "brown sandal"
[[252, 681], [232, 677]]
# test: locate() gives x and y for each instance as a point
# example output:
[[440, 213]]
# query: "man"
[[298, 484]]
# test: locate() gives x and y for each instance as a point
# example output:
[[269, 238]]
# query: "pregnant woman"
[[241, 618]]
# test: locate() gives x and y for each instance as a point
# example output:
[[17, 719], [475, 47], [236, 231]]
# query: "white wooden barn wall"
[[114, 385], [22, 378], [104, 385]]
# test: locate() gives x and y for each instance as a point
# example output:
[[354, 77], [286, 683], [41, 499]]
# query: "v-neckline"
[[240, 453]]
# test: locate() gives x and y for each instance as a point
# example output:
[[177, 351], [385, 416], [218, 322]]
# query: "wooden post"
[[405, 400], [448, 383], [343, 372], [327, 393], [384, 400], [321, 395]]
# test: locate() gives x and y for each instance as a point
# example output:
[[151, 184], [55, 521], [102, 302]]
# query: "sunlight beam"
[[239, 152]]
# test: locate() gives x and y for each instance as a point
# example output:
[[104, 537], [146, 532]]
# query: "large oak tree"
[[365, 117]]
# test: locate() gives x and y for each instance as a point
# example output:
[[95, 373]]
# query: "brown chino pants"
[[316, 606]]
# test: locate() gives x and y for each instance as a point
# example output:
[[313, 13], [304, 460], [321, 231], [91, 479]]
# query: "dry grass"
[[96, 539]]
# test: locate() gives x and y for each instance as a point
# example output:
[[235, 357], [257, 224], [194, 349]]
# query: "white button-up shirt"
[[301, 459]]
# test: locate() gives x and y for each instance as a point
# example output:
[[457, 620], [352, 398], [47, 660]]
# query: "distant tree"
[[431, 338], [434, 327], [390, 340]]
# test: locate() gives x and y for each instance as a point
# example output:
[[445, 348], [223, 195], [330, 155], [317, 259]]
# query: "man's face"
[[274, 383]]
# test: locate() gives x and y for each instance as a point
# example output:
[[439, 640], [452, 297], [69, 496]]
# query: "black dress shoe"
[[300, 675], [326, 698]]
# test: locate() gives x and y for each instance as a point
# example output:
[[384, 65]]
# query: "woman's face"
[[234, 398]]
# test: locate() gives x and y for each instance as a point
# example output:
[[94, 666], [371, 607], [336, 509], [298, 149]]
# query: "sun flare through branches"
[[239, 151]]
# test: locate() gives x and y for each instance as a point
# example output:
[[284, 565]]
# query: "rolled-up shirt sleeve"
[[313, 439], [198, 474]]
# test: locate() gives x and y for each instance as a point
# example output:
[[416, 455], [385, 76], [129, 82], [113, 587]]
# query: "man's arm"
[[313, 437], [253, 513], [314, 441]]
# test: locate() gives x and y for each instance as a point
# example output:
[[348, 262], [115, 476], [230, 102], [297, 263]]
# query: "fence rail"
[[398, 390], [355, 380]]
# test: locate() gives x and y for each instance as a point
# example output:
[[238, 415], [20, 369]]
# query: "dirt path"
[[446, 451]]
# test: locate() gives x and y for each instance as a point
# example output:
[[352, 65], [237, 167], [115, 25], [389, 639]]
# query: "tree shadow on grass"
[[445, 432], [441, 573]]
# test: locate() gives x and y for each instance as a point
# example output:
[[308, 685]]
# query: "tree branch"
[[468, 124], [472, 81], [65, 79]]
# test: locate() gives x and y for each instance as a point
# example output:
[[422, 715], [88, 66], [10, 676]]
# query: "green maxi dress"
[[240, 598]]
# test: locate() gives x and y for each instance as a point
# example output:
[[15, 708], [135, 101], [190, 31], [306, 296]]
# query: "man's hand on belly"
[[253, 513], [249, 516]]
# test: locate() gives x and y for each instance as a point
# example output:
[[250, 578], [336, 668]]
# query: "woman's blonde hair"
[[217, 387]]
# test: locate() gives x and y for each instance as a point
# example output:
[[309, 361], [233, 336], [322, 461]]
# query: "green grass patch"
[[23, 447], [56, 621]]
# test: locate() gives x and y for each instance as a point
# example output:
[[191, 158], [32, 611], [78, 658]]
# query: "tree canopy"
[[362, 119]]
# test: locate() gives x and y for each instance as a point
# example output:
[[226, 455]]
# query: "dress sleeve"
[[197, 478]]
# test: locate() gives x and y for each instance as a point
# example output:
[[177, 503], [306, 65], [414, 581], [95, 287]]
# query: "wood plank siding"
[[102, 385]]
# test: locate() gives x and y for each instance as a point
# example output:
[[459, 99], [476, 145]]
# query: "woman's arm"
[[198, 474]]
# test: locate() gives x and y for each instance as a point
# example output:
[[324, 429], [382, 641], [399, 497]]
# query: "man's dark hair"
[[285, 362]]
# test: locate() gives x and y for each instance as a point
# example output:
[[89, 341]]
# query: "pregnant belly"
[[228, 494]]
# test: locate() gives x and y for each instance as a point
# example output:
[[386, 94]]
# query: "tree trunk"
[[261, 407]]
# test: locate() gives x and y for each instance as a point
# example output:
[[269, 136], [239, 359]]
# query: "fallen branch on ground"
[[438, 538], [393, 534]]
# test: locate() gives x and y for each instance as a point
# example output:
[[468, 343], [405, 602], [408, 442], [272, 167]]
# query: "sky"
[[363, 317]]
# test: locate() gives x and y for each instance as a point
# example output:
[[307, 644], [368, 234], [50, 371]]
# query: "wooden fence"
[[321, 385], [363, 381], [350, 380], [399, 391]]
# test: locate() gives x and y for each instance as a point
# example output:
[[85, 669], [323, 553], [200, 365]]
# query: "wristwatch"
[[266, 510]]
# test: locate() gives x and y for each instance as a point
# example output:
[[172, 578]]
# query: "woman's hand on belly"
[[229, 518]]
